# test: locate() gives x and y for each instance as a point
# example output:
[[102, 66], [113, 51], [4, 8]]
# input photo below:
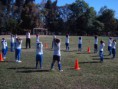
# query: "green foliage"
[[76, 18], [107, 17], [12, 23]]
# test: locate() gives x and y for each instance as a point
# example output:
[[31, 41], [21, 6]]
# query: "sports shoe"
[[19, 61], [4, 58], [52, 69], [16, 60], [61, 70]]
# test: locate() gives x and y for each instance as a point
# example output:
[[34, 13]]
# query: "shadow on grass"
[[14, 68], [7, 61], [84, 53], [90, 62], [98, 55], [25, 48], [106, 55], [49, 49], [27, 69], [69, 50], [95, 56], [31, 71], [99, 58]]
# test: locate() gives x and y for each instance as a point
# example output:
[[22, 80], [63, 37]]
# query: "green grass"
[[92, 75]]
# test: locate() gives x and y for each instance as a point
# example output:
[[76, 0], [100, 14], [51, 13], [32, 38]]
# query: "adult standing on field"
[[28, 41], [95, 44], [3, 42], [114, 48]]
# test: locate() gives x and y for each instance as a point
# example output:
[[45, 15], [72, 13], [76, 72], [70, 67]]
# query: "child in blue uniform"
[[18, 50], [57, 55], [110, 46], [54, 37], [114, 48], [67, 42], [39, 54], [15, 37], [37, 38], [4, 48], [80, 44], [101, 52]]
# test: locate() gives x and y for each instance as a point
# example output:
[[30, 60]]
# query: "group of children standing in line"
[[16, 44], [111, 46]]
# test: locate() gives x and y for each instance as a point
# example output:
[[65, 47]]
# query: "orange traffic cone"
[[1, 58], [46, 45], [77, 65], [88, 50]]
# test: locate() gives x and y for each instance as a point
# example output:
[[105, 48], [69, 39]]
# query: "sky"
[[97, 4]]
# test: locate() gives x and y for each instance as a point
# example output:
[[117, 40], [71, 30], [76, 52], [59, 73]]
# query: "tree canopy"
[[76, 18]]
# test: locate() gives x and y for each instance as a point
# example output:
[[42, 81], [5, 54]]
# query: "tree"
[[52, 15], [30, 16], [82, 17], [107, 17]]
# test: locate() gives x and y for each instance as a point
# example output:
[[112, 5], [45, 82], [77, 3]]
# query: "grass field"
[[92, 75]]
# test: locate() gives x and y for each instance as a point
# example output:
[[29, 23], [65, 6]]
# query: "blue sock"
[[59, 66], [52, 65]]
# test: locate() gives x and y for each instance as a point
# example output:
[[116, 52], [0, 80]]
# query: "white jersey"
[[28, 35], [102, 46], [96, 41], [80, 41], [54, 36], [3, 44], [114, 45], [6, 43], [67, 39], [39, 48], [19, 44], [37, 39], [12, 39], [110, 42], [57, 49]]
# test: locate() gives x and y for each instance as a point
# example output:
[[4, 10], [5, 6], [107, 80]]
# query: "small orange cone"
[[77, 65], [88, 50], [46, 45], [1, 58]]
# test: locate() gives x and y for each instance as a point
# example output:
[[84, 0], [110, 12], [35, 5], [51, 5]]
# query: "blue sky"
[[97, 4]]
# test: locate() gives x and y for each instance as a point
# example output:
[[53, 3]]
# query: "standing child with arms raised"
[[57, 55]]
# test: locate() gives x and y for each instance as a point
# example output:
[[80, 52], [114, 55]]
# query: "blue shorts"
[[39, 57], [109, 48], [79, 45], [67, 44]]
